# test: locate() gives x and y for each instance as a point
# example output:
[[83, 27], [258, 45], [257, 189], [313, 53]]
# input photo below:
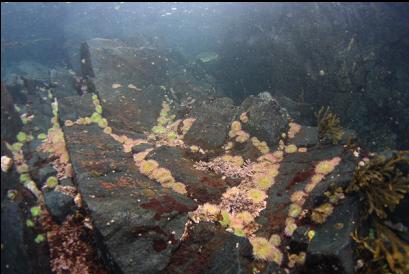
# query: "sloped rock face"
[[143, 225]]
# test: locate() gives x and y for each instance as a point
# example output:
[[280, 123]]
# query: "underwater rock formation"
[[163, 183]]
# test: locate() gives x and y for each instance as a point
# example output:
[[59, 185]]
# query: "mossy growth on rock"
[[329, 126], [384, 181]]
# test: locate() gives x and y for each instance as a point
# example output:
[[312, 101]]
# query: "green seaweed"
[[329, 126]]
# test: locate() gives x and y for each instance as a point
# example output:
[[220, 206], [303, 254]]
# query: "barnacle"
[[383, 181], [329, 126]]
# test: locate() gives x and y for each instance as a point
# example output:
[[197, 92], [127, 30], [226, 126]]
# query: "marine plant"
[[383, 181], [329, 126], [383, 246]]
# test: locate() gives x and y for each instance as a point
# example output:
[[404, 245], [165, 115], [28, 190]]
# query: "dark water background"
[[362, 50]]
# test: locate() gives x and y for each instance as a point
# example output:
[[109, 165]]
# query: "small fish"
[[131, 86], [115, 86]]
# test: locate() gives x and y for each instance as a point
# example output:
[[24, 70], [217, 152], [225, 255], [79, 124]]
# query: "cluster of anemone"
[[244, 118], [320, 214], [260, 145], [293, 130], [298, 198], [151, 169], [236, 133], [187, 124], [264, 250], [296, 259], [127, 143], [96, 117]]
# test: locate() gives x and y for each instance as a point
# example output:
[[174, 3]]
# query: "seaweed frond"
[[384, 182], [329, 126], [384, 246]]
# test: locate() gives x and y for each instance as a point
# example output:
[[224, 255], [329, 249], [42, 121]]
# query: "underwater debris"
[[329, 126], [383, 181]]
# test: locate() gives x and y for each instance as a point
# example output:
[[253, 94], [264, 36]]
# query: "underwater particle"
[[322, 72], [244, 118], [41, 136], [39, 238], [265, 251], [21, 137], [236, 126], [311, 235], [256, 195], [179, 188], [108, 130], [95, 117], [35, 211], [30, 223], [115, 86], [6, 163], [147, 167], [103, 123], [320, 214], [52, 182], [24, 177], [11, 194], [290, 148], [275, 240], [68, 123], [98, 109], [294, 210]]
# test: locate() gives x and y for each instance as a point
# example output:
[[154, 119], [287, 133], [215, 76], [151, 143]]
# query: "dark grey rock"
[[44, 173], [59, 205], [308, 136], [267, 120], [336, 244], [213, 119]]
